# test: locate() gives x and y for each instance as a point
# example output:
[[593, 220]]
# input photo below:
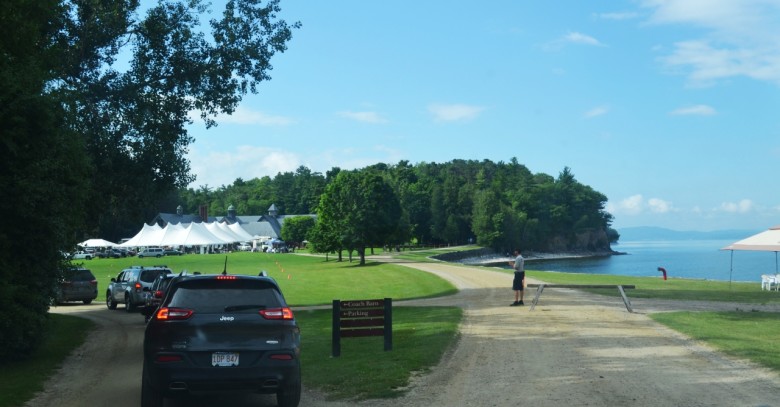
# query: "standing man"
[[519, 282]]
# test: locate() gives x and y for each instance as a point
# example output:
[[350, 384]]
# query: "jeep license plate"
[[224, 359]]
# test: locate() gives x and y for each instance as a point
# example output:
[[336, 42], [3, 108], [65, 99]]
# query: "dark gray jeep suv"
[[222, 333]]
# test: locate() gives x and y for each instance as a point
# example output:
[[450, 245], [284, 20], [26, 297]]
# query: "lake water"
[[697, 259]]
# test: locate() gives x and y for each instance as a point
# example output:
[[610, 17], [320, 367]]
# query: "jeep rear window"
[[239, 296]]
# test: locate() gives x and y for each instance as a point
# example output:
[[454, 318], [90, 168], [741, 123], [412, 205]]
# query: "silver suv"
[[128, 286], [151, 252]]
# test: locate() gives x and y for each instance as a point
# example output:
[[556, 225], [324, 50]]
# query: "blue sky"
[[671, 108]]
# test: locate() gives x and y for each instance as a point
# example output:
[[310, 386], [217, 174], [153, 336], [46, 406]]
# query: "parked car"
[[128, 286], [153, 295], [151, 252], [82, 255], [116, 253], [172, 252], [222, 333], [77, 284]]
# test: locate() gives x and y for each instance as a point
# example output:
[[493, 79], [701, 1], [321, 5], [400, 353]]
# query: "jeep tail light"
[[173, 314], [227, 278], [277, 313], [93, 282], [138, 287], [168, 358]]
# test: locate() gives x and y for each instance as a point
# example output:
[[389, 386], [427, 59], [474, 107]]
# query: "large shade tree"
[[42, 173], [94, 105], [359, 209], [134, 114]]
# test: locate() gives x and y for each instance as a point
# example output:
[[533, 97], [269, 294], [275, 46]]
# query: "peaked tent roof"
[[173, 234], [196, 234], [766, 241], [147, 233], [224, 234], [239, 231]]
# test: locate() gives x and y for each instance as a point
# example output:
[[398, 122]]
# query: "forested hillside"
[[499, 205]]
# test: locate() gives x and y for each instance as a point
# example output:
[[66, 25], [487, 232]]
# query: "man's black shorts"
[[517, 284]]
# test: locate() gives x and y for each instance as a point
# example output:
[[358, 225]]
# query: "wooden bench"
[[621, 289]]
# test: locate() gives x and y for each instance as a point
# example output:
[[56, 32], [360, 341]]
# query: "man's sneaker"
[[516, 303], [520, 303]]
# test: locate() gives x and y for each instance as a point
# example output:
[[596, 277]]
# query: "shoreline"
[[533, 256]]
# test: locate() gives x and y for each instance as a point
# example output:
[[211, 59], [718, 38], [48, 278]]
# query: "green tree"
[[297, 229], [42, 173], [359, 209], [134, 116], [85, 135]]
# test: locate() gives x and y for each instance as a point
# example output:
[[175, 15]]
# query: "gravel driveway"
[[574, 349]]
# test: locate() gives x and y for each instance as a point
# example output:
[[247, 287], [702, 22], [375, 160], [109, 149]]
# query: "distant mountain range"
[[646, 233]]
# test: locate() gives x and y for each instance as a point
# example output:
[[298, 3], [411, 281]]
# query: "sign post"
[[361, 318]]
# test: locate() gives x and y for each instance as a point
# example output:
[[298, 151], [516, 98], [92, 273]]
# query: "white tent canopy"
[[195, 234], [172, 234], [766, 241], [147, 234], [96, 243], [240, 232], [224, 234]]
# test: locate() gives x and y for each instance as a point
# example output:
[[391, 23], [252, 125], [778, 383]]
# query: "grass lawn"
[[420, 336], [305, 280], [748, 335], [19, 381]]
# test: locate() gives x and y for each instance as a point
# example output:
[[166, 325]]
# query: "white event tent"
[[195, 234], [96, 243], [240, 232], [766, 241], [224, 234], [148, 233]]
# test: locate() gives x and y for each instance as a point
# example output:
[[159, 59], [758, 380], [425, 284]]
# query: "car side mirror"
[[113, 279]]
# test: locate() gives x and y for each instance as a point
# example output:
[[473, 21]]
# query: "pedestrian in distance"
[[519, 281]]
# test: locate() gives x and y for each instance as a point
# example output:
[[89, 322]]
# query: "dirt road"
[[575, 349]]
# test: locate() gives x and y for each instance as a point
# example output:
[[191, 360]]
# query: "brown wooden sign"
[[361, 318]]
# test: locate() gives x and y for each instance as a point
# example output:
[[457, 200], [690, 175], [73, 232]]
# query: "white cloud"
[[632, 205], [579, 38], [739, 38], [636, 205], [659, 205], [743, 206], [246, 116], [456, 112], [596, 111], [365, 117], [697, 110], [216, 168]]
